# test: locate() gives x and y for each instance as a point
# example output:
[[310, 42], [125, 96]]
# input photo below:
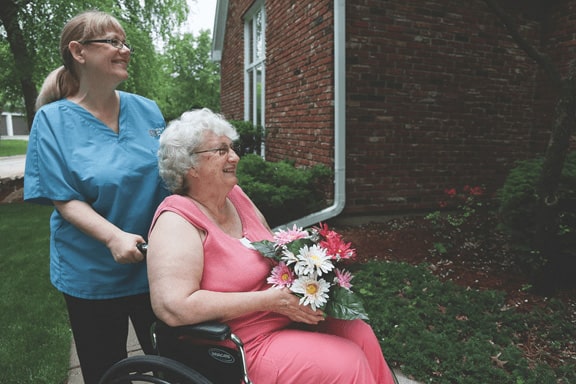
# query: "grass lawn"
[[13, 147], [35, 341]]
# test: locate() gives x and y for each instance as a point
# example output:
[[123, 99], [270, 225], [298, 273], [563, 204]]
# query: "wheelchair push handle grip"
[[143, 248]]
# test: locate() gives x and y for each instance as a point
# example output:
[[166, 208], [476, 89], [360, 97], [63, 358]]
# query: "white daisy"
[[313, 260], [315, 292], [288, 257]]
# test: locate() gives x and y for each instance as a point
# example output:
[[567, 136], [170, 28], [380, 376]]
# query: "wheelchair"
[[185, 355]]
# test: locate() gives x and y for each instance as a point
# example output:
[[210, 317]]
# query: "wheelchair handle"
[[143, 248]]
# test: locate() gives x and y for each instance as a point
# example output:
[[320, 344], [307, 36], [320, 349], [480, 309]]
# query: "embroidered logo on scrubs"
[[156, 132]]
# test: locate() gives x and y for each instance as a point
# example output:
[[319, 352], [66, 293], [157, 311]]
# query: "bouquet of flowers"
[[308, 263]]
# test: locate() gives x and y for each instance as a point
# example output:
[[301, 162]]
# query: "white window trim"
[[250, 62]]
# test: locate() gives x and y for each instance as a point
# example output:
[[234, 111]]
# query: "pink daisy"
[[281, 276], [343, 278], [282, 237]]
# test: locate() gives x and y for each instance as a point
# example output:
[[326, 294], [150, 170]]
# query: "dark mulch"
[[475, 262]]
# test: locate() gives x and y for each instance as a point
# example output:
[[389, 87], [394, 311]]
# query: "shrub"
[[518, 205], [440, 332], [250, 139], [281, 191]]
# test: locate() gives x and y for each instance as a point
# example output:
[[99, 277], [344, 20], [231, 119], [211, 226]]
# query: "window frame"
[[255, 67]]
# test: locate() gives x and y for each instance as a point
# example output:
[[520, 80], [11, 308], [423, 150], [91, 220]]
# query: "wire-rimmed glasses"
[[223, 150], [119, 44]]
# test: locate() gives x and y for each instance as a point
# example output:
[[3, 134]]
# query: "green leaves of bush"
[[443, 333], [519, 203], [281, 191]]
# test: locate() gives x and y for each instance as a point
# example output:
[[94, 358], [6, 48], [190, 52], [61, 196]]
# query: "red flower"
[[337, 248], [450, 192], [476, 191]]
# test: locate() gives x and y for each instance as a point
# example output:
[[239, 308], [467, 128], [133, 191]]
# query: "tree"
[[32, 30], [563, 126], [191, 78]]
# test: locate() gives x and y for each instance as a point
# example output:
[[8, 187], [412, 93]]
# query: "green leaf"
[[266, 248], [296, 245], [345, 305]]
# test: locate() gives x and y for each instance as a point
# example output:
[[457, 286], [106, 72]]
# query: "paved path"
[[13, 167]]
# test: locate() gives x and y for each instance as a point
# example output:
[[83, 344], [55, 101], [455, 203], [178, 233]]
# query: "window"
[[254, 65]]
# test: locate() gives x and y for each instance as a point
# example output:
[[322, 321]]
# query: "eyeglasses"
[[222, 151], [113, 42]]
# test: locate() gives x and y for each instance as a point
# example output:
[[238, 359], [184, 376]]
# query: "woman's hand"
[[288, 304], [123, 247], [122, 244]]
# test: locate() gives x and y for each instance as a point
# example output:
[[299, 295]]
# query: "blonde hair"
[[63, 81]]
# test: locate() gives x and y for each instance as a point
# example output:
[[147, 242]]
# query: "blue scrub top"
[[73, 156]]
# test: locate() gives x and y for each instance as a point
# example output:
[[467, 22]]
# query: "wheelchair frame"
[[158, 369]]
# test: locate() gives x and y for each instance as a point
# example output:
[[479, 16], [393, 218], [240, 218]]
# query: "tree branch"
[[540, 58]]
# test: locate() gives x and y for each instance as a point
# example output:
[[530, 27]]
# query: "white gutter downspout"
[[339, 124]]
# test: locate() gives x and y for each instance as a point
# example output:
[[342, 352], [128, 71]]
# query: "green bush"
[[250, 139], [518, 205], [440, 332], [281, 191]]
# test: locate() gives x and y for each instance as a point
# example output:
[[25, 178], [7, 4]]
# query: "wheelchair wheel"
[[152, 369]]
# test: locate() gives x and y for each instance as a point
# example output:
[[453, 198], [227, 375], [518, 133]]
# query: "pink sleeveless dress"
[[335, 351]]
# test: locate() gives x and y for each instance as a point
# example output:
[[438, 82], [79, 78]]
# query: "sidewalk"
[[12, 166]]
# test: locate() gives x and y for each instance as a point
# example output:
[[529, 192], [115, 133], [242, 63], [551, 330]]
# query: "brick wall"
[[438, 95], [232, 63], [300, 82]]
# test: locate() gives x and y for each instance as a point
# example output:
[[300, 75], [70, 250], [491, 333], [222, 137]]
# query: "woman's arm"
[[85, 218], [175, 265]]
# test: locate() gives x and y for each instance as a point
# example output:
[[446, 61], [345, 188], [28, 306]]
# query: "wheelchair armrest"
[[209, 330]]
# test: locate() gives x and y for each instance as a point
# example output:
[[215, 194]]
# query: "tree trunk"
[[22, 58], [546, 239], [547, 213]]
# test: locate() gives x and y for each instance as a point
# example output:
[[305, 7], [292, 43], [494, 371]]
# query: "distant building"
[[13, 124]]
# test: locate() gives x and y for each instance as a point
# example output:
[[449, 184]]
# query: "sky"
[[201, 16]]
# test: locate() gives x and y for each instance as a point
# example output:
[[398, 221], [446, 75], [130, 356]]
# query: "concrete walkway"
[[12, 166]]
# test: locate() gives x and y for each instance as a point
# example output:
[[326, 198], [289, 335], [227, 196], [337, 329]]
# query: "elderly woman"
[[201, 267]]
